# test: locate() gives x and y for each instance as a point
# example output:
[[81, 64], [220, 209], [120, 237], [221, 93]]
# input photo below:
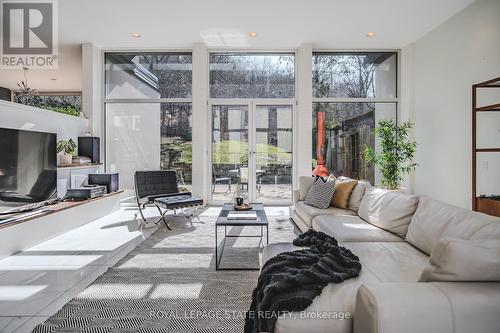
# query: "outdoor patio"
[[268, 192]]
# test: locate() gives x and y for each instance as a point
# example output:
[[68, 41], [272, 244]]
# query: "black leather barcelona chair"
[[159, 188]]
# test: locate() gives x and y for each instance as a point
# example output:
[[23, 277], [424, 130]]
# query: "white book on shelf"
[[242, 216]]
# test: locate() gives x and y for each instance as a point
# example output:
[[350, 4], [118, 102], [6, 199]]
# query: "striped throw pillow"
[[320, 193]]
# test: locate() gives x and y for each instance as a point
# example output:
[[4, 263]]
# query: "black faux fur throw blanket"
[[290, 281]]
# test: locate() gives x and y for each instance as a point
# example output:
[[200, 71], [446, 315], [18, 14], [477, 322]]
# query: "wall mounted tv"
[[28, 167]]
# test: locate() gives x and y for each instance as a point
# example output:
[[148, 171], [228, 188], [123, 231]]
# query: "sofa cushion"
[[320, 193], [382, 262], [343, 190], [388, 210], [390, 261], [352, 229], [434, 220], [307, 213], [444, 307], [488, 231], [357, 195], [304, 185], [455, 259], [387, 261]]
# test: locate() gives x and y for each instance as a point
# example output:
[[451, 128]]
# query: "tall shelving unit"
[[483, 204]]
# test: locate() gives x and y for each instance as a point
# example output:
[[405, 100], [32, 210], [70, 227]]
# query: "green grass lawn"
[[236, 152]]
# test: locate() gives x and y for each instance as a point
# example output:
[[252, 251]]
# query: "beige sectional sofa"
[[397, 237]]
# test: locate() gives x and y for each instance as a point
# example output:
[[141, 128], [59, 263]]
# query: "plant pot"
[[65, 159]]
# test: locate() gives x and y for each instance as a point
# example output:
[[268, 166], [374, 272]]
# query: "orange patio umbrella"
[[321, 169]]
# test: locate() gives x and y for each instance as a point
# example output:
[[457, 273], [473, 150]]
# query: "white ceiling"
[[280, 24]]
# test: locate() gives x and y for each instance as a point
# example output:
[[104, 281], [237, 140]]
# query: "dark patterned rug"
[[169, 283]]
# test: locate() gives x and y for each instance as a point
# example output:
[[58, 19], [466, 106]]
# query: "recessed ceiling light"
[[370, 34], [136, 35], [252, 34]]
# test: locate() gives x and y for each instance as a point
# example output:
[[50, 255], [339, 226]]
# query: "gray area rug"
[[169, 284]]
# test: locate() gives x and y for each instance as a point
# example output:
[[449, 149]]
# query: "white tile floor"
[[36, 283]]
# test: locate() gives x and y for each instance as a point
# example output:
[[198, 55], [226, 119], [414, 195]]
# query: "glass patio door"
[[230, 151], [251, 150], [273, 152]]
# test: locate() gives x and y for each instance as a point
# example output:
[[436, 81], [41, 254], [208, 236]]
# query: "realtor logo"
[[29, 34]]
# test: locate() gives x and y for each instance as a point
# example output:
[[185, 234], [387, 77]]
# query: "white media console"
[[62, 217]]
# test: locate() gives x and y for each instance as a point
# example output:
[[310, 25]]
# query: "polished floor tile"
[[29, 325], [37, 282], [10, 324]]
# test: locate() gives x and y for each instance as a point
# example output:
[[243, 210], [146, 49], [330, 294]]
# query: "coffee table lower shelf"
[[218, 257]]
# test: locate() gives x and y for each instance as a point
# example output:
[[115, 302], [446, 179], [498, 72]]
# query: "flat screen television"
[[28, 167]]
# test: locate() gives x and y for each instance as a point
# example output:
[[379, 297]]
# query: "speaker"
[[110, 180], [5, 94], [89, 146]]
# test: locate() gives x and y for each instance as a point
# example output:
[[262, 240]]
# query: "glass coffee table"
[[223, 221]]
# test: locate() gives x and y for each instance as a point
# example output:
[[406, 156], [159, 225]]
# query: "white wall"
[[446, 62], [302, 155], [200, 122], [68, 76], [92, 83], [24, 117]]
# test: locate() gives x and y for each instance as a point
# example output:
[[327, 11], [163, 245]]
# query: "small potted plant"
[[396, 158], [66, 150]]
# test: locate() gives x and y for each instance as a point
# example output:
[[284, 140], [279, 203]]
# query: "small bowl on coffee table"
[[245, 206]]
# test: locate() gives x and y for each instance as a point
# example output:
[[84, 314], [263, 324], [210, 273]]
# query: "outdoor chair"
[[159, 188], [243, 171], [216, 179]]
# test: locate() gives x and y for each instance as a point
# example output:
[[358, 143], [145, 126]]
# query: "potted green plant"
[[397, 150], [66, 150]]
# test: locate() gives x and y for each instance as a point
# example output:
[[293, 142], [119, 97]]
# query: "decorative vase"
[[238, 197]]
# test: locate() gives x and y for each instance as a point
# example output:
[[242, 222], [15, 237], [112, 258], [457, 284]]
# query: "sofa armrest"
[[445, 307], [295, 196]]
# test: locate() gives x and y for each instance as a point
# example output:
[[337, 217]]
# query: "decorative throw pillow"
[[454, 259], [320, 193], [343, 190], [357, 195], [389, 210]]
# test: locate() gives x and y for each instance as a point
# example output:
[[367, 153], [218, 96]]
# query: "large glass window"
[[148, 114], [343, 119], [252, 75], [67, 103], [348, 129], [148, 75], [132, 139], [176, 144], [355, 75]]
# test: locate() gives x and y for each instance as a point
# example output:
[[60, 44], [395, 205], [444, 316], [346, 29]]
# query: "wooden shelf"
[[78, 166], [488, 206], [489, 83], [485, 205], [52, 209], [492, 107], [487, 150]]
